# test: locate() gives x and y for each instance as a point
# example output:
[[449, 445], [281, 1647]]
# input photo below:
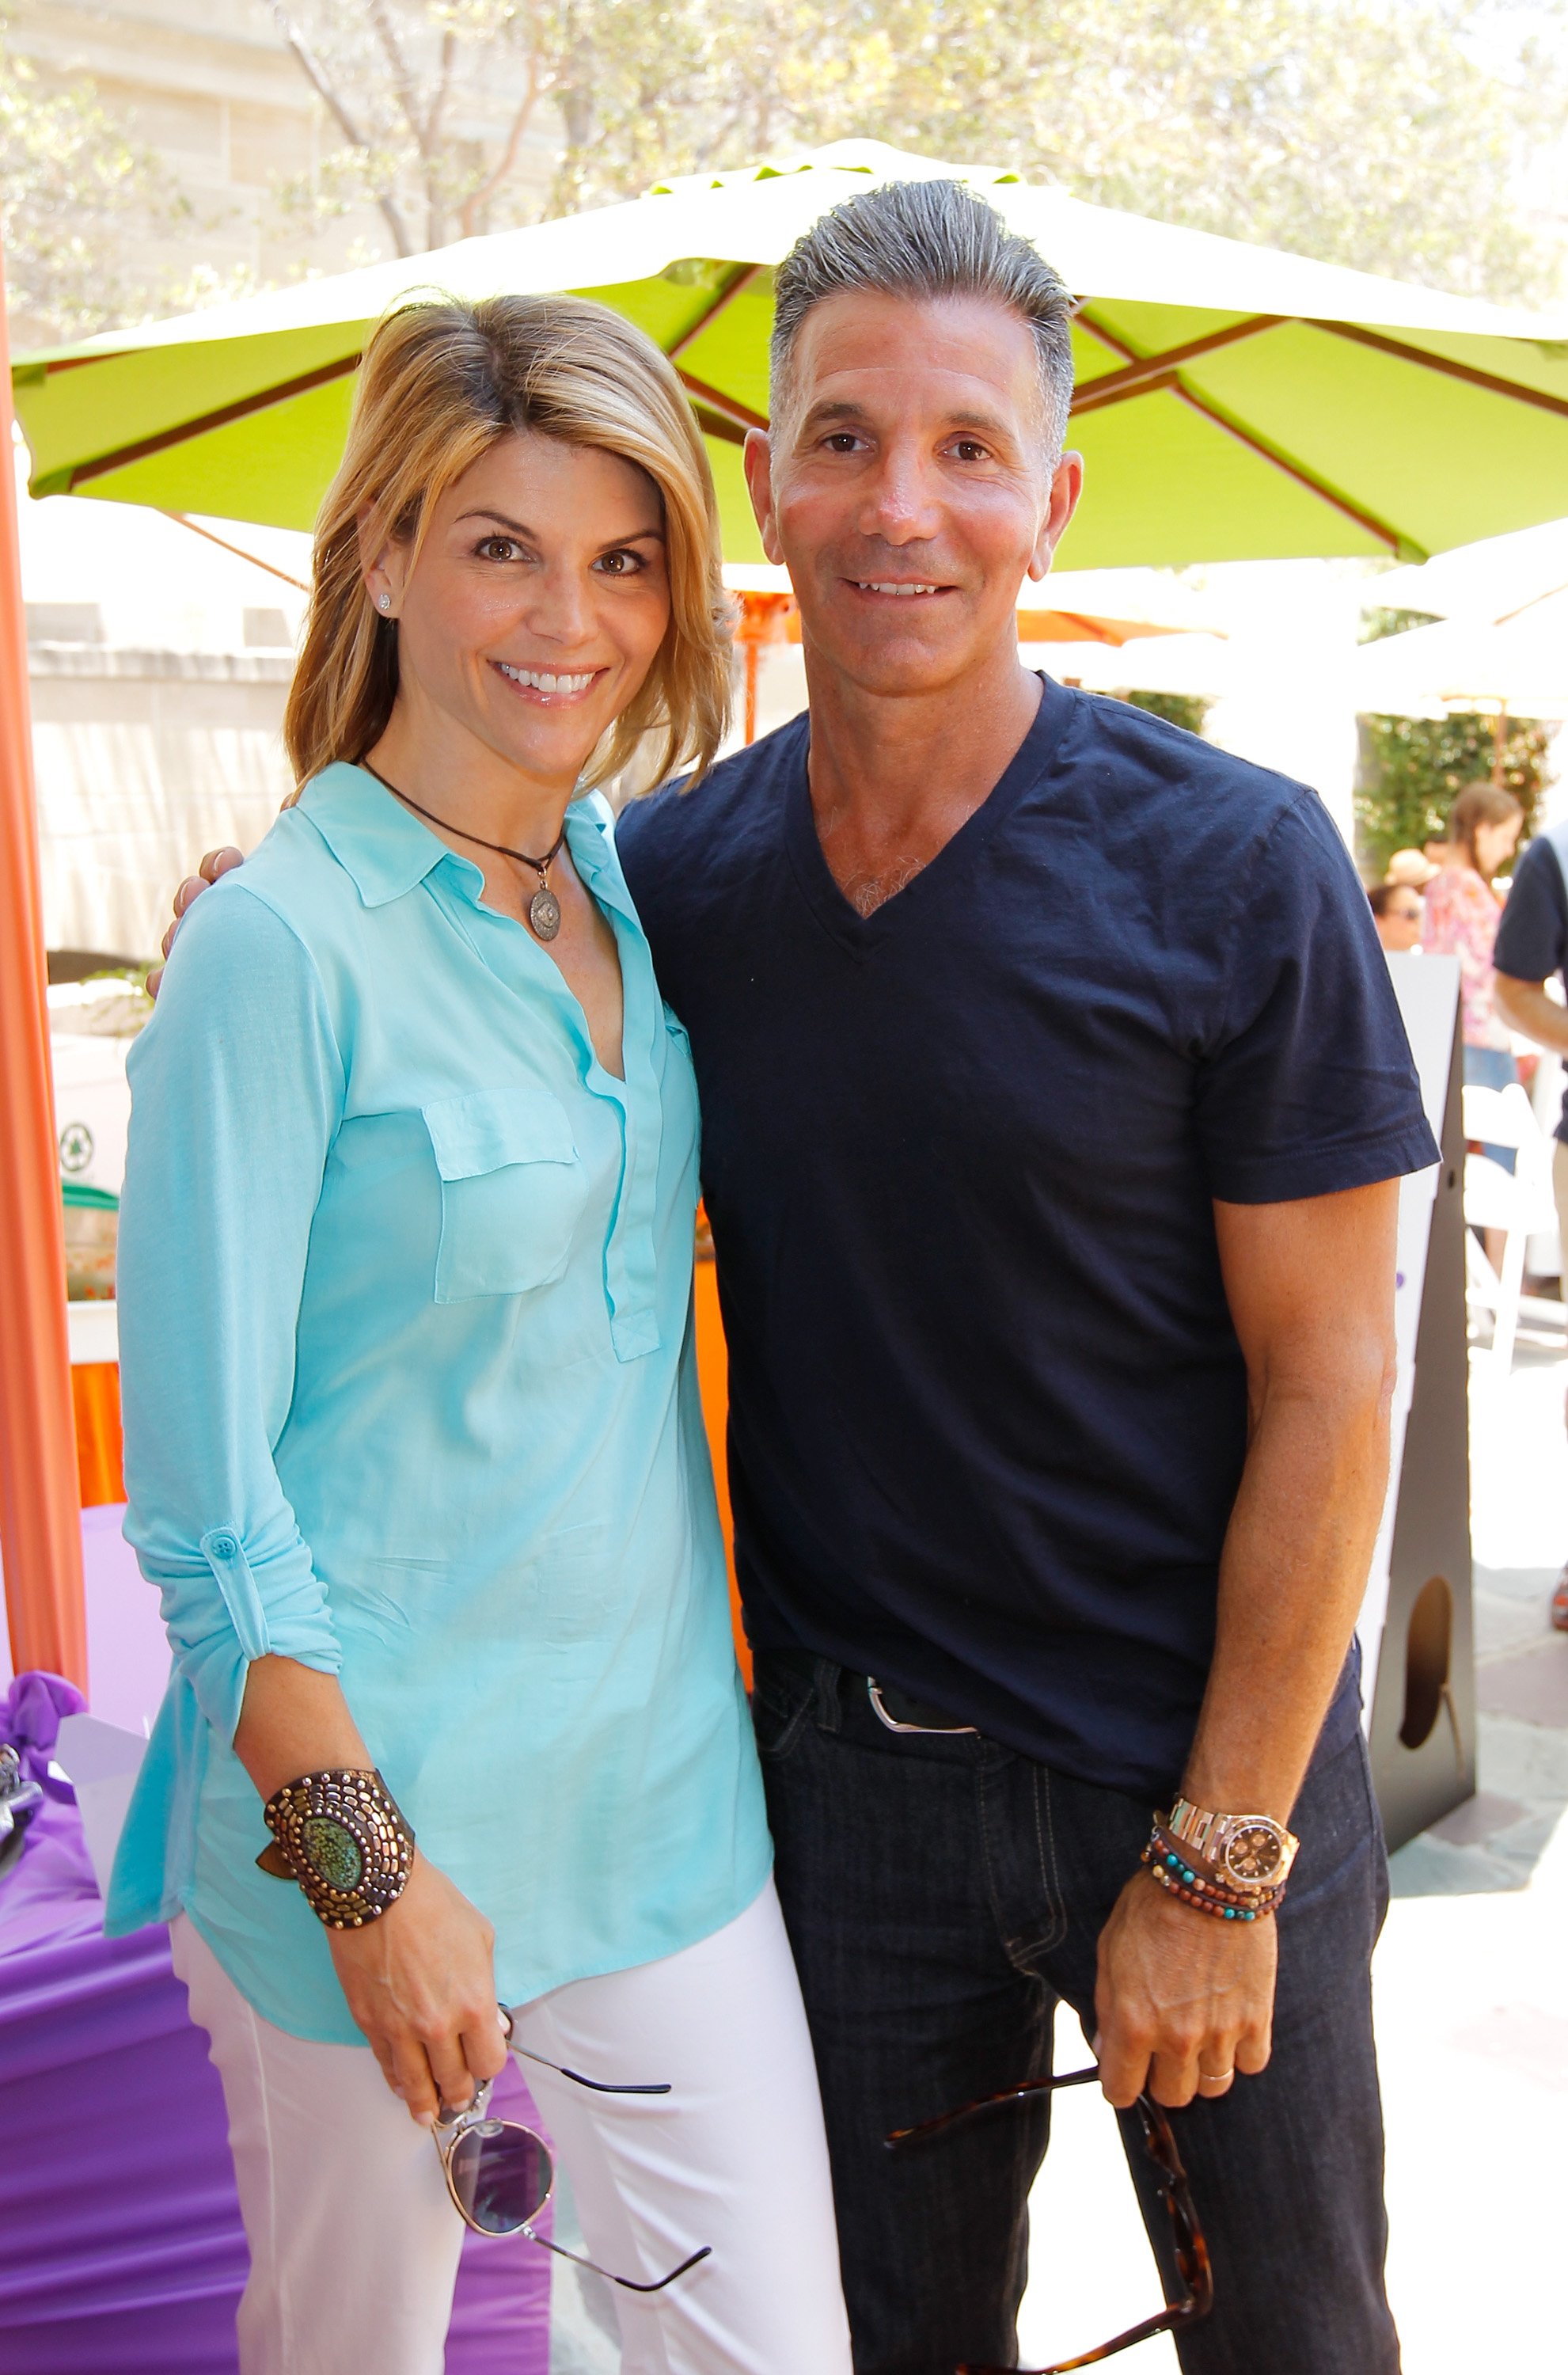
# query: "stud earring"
[[384, 602]]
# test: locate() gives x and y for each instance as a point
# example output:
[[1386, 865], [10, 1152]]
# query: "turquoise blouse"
[[410, 1395]]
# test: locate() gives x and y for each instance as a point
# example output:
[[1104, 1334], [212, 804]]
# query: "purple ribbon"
[[30, 1721]]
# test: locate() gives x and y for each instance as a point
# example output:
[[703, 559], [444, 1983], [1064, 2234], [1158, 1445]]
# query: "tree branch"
[[402, 81], [477, 199], [443, 91], [316, 75]]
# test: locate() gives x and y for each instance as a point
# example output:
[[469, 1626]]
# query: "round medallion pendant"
[[544, 914], [334, 1851]]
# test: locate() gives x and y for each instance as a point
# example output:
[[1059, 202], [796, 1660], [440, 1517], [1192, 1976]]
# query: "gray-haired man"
[[1053, 1100]]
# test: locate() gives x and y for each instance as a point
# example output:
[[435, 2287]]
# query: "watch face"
[[1253, 1854], [334, 1851]]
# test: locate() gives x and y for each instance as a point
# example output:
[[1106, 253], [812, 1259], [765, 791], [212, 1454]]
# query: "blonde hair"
[[441, 379]]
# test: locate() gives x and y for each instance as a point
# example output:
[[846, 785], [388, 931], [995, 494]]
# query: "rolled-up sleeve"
[[237, 1092]]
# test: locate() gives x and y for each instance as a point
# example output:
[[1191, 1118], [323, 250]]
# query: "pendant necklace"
[[544, 907]]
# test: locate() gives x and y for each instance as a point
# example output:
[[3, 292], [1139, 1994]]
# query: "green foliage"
[[1378, 625], [1413, 768], [1345, 129], [1186, 709], [76, 192]]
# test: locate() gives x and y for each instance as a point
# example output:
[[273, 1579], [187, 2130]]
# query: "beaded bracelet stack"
[[1168, 1863]]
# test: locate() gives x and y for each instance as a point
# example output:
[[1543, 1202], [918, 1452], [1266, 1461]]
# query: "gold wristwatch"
[[1247, 1850]]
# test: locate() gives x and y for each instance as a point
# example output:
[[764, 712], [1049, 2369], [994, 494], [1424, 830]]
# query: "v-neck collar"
[[862, 933]]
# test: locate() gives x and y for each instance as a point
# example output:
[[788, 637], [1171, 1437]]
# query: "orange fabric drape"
[[713, 1377], [41, 1536], [95, 1394]]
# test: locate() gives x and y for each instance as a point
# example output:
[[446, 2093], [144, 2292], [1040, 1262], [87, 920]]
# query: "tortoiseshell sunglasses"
[[1159, 2143]]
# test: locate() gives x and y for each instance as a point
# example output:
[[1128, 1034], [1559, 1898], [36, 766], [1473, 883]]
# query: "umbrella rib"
[[183, 519], [717, 424], [1491, 381], [1172, 380], [123, 456], [1115, 387], [732, 288], [728, 408], [1396, 544]]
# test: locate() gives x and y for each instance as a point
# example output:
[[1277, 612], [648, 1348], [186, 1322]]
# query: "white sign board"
[[1428, 991]]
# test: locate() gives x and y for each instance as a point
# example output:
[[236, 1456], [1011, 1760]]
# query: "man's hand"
[[420, 1984], [216, 862], [1183, 1999]]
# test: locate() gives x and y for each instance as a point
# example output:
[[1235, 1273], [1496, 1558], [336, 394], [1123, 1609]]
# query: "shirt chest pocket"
[[512, 1191]]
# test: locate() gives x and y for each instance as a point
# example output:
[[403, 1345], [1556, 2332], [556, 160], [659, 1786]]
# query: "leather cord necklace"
[[544, 907]]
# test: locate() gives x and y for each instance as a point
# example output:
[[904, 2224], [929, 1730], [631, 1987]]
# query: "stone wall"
[[143, 760]]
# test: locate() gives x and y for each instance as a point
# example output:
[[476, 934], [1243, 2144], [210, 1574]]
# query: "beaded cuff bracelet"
[[1179, 1878], [342, 1837]]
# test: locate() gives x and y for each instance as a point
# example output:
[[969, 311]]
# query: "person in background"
[[1463, 909], [1397, 912], [1411, 866], [1532, 947]]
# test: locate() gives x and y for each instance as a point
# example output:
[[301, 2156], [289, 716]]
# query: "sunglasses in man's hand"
[[1159, 2143]]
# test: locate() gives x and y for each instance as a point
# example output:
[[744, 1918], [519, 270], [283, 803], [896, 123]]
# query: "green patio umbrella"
[[1235, 403]]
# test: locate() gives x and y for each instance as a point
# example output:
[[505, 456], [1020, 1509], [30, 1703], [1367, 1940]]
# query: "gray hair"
[[925, 240]]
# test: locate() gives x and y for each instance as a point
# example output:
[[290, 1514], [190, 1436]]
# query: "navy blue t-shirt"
[[987, 1408], [1532, 939]]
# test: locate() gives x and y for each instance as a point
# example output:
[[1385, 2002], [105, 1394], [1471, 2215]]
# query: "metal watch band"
[[1220, 1838], [342, 1836]]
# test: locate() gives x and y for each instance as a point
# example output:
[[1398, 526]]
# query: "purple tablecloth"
[[121, 2249]]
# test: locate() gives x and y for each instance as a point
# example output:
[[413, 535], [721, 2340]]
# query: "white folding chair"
[[1519, 1203]]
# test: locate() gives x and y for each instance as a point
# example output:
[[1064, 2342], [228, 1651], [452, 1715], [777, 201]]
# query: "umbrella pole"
[[40, 1539]]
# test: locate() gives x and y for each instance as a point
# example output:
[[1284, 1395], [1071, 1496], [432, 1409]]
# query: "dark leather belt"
[[899, 1710]]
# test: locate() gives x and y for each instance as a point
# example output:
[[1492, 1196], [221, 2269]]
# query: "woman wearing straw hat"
[[413, 1443]]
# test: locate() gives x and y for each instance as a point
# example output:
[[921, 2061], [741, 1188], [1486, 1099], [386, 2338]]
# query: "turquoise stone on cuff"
[[334, 1851]]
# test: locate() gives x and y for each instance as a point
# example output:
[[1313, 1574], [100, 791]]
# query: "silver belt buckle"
[[936, 1730]]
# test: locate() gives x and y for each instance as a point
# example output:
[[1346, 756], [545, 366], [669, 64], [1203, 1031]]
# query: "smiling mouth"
[[552, 685], [900, 589]]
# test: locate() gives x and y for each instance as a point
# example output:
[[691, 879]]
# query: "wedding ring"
[[1217, 2077]]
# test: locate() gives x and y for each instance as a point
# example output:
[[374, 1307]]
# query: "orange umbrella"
[[40, 1540]]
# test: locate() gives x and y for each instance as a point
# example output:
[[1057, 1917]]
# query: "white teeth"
[[543, 681], [870, 585]]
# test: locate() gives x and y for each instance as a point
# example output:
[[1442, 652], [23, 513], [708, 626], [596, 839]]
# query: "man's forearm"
[[1525, 1007], [1292, 1579]]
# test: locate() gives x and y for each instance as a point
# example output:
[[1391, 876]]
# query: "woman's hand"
[[421, 1982]]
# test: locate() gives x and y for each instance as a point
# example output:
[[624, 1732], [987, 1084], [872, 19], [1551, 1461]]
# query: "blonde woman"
[[413, 1443]]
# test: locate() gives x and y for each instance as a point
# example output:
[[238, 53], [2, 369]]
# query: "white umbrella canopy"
[[1518, 663], [1489, 580]]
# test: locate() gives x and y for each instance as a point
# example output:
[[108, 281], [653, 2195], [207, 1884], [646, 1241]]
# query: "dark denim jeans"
[[942, 1893]]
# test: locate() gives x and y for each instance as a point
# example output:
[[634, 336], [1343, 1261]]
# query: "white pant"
[[354, 2243]]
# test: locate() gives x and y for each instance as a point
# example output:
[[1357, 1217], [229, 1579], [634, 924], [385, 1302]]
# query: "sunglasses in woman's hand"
[[500, 2176]]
